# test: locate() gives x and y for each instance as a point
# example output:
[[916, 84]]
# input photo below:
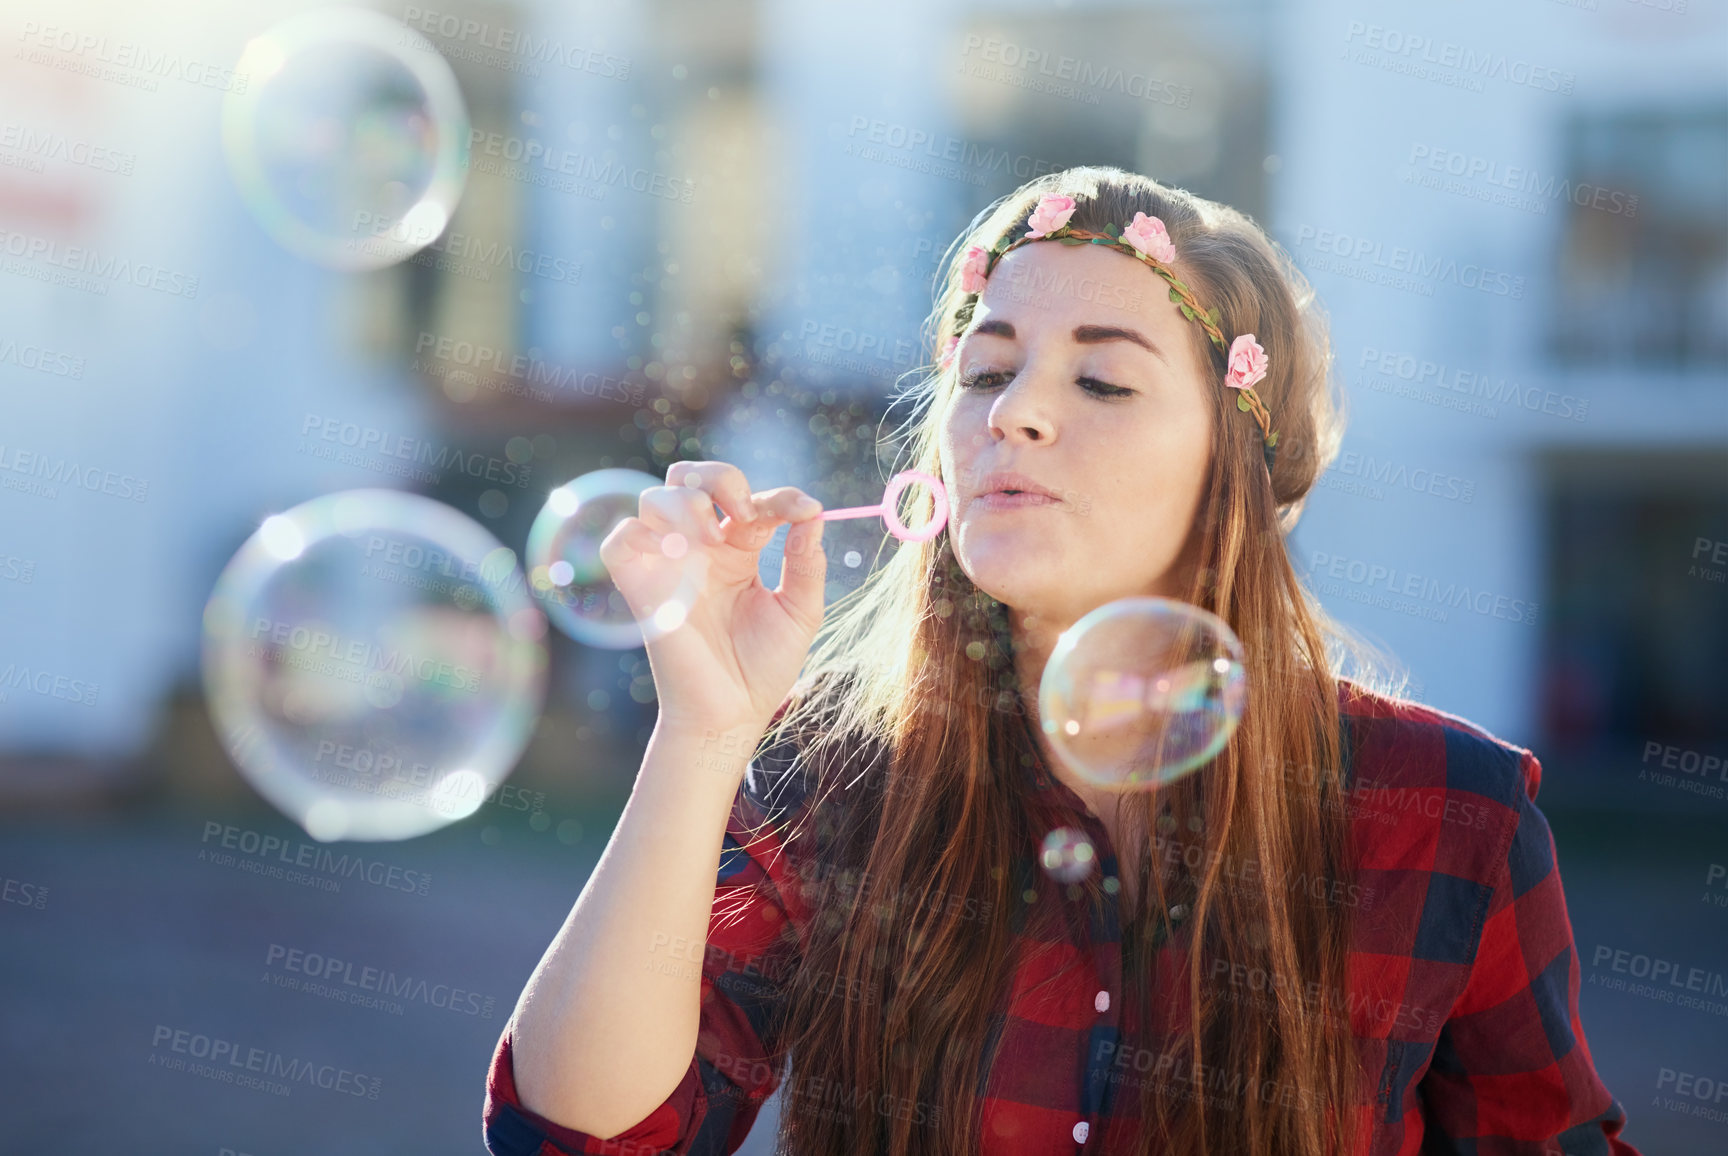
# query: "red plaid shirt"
[[1463, 977]]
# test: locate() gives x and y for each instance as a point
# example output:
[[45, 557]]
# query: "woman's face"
[[1084, 381]]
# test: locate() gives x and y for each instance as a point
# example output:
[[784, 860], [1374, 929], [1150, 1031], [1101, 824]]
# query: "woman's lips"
[[1001, 500]]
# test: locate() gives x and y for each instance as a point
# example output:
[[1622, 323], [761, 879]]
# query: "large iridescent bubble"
[[373, 664], [565, 569], [1142, 691], [347, 136]]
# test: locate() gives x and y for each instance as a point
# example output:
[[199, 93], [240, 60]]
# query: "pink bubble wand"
[[889, 508]]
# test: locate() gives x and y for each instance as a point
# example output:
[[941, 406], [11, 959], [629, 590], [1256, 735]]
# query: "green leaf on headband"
[[1113, 229], [1187, 310], [1242, 402], [1070, 240], [1212, 315], [1273, 440], [1175, 296]]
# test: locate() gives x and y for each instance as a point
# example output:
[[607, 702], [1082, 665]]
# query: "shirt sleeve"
[[1511, 1073], [751, 950]]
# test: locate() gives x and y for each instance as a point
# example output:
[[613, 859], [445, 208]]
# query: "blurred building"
[[710, 229]]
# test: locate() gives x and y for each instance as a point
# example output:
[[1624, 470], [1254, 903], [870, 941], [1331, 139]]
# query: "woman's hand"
[[734, 658]]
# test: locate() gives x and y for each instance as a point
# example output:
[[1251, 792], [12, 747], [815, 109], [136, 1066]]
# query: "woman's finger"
[[724, 483]]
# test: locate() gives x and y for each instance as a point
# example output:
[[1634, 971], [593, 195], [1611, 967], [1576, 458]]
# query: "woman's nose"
[[1022, 411]]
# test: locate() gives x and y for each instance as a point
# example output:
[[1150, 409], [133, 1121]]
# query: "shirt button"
[[1102, 1001], [1081, 1131]]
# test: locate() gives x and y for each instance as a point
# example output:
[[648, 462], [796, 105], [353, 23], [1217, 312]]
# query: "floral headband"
[[1146, 239]]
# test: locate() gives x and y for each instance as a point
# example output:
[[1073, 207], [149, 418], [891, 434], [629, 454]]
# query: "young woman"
[[1345, 934]]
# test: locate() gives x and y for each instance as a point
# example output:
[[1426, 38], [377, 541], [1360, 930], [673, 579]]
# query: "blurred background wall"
[[1515, 214]]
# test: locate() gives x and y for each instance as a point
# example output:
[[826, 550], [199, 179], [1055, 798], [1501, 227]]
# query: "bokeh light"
[[1067, 855]]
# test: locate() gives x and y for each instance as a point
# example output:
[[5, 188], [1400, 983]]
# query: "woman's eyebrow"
[[1083, 335]]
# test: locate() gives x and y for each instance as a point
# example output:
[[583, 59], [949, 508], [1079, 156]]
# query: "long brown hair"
[[912, 735]]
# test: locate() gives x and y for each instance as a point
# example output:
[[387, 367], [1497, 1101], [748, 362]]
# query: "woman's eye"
[[983, 379], [977, 378], [1102, 388]]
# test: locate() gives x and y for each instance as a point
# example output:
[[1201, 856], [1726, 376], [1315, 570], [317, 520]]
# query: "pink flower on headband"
[[1148, 235], [1247, 362], [1051, 214], [972, 270]]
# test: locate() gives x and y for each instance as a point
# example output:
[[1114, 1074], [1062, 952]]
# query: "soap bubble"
[[348, 139], [1142, 691], [1067, 855], [373, 664], [565, 570]]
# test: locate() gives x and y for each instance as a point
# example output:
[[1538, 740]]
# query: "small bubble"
[[491, 836], [569, 831]]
